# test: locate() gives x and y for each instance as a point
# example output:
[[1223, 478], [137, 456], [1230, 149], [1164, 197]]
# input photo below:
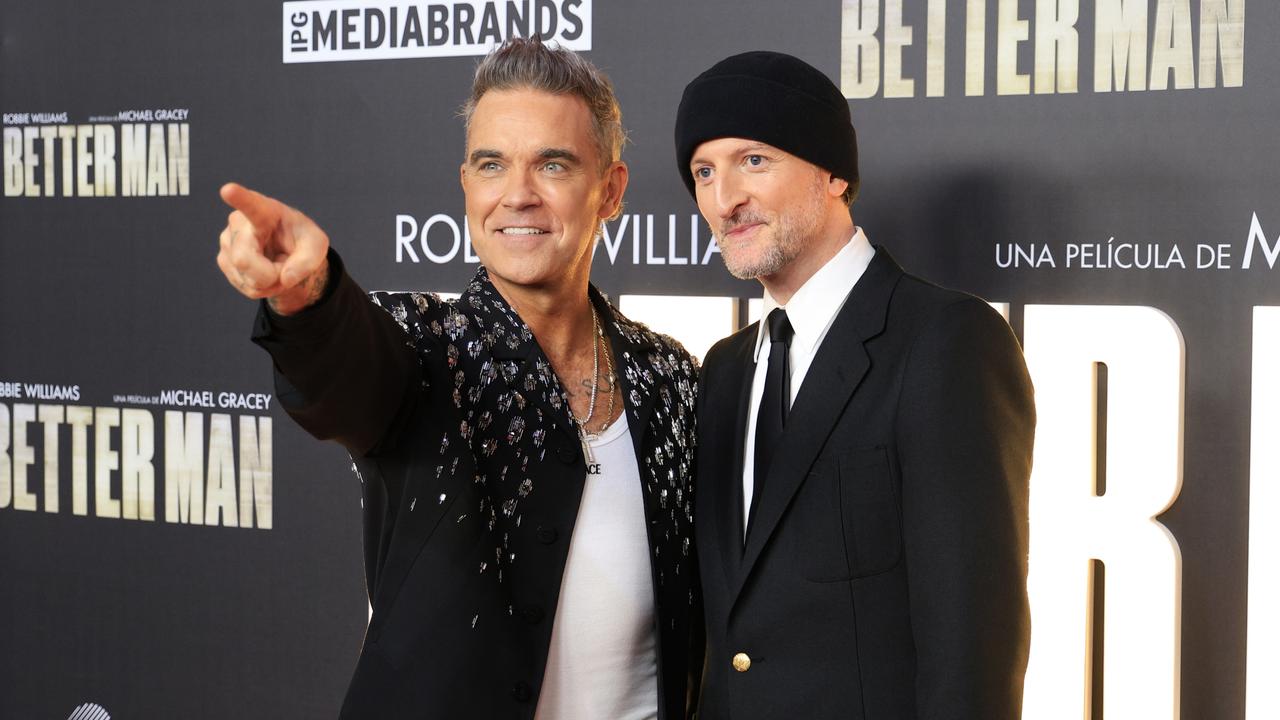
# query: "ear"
[[836, 186], [462, 176], [615, 185]]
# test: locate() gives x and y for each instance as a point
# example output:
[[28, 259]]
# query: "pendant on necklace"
[[593, 467]]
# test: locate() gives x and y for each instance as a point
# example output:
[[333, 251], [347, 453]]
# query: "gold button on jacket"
[[742, 662]]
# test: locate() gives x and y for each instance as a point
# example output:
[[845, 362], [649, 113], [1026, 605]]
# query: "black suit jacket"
[[884, 574], [471, 473]]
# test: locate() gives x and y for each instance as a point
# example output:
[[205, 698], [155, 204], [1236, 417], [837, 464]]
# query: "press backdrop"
[[172, 546]]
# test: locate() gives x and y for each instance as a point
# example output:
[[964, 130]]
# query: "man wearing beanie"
[[863, 453]]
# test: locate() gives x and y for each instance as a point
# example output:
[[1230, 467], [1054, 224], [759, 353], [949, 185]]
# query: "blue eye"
[[554, 167], [702, 173], [755, 160]]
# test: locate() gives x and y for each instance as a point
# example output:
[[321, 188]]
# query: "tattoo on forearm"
[[315, 285]]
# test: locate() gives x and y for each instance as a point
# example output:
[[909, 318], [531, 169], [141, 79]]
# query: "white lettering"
[[1262, 692], [1257, 237], [1140, 353]]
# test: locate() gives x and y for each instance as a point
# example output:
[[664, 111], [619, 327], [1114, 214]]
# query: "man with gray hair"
[[524, 452]]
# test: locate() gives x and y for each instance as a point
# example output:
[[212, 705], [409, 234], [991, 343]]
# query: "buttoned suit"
[[883, 577], [471, 474]]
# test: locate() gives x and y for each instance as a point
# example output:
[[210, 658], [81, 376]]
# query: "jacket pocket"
[[850, 525], [870, 511]]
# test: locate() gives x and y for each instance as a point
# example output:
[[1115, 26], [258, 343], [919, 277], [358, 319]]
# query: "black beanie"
[[773, 98]]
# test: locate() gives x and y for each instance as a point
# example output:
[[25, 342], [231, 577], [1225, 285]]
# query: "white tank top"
[[603, 659]]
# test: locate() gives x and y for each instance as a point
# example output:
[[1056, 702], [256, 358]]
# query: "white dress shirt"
[[811, 311]]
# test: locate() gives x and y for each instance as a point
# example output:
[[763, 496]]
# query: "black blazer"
[[884, 575], [471, 473]]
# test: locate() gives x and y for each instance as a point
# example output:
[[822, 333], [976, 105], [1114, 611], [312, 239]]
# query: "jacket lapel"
[[638, 379], [513, 346], [515, 352], [834, 375], [727, 498]]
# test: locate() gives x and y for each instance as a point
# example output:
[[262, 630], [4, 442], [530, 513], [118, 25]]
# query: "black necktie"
[[774, 402]]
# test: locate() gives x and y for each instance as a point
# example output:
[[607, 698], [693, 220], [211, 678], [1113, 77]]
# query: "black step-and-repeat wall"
[[1105, 171]]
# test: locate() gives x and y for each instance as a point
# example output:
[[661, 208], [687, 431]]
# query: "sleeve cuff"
[[311, 320]]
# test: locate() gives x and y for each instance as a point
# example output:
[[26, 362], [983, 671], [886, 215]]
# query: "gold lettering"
[[6, 467], [220, 499], [1220, 24], [84, 159], [1010, 32], [106, 461], [896, 37], [133, 160], [255, 472], [79, 418], [859, 48], [975, 48], [1172, 48], [183, 471], [936, 50], [1121, 44], [48, 141], [67, 134], [1057, 46], [13, 162], [104, 155], [30, 159], [179, 159], [52, 416], [137, 473], [157, 165], [24, 456]]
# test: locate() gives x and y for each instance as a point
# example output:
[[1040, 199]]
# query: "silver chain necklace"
[[597, 339]]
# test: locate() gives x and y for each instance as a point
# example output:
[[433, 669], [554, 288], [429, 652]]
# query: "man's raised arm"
[[343, 369], [269, 250]]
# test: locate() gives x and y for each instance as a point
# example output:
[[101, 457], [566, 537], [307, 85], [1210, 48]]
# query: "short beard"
[[771, 259], [794, 228]]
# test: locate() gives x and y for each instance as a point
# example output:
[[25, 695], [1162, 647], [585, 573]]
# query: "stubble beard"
[[790, 234]]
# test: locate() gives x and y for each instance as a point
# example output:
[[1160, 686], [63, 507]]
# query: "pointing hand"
[[269, 250]]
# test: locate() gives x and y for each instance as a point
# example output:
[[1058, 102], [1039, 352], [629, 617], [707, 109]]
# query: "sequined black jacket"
[[471, 473]]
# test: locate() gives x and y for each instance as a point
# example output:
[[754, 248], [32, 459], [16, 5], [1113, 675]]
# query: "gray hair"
[[527, 63]]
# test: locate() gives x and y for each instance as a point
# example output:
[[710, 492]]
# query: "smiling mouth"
[[743, 228], [522, 231]]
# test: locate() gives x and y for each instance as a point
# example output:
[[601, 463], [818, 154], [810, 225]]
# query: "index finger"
[[263, 212]]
